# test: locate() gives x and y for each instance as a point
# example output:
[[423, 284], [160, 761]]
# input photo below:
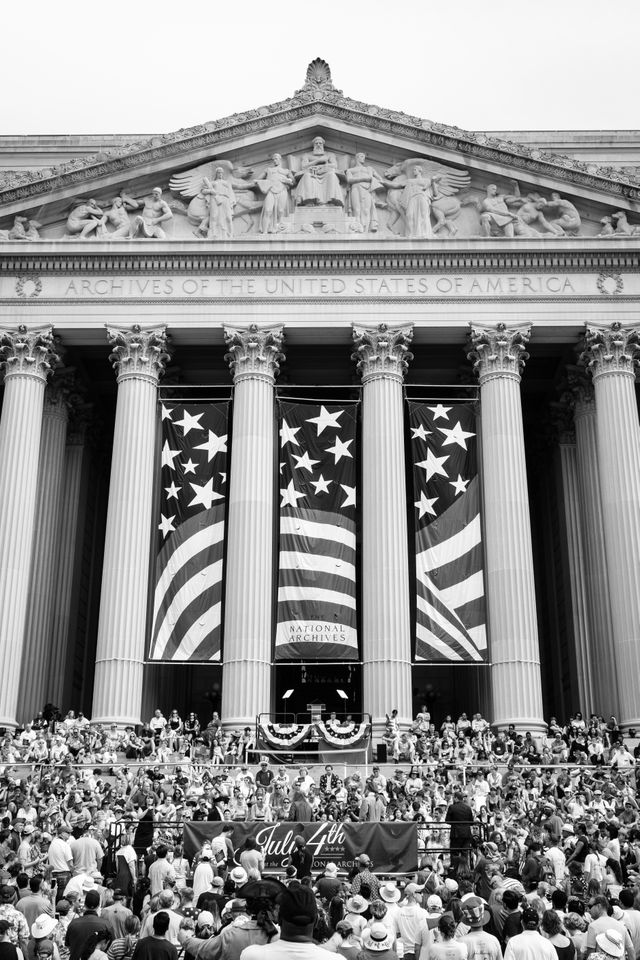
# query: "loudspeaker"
[[381, 753]]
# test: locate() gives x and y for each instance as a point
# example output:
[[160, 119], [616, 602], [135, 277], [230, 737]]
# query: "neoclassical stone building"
[[326, 251]]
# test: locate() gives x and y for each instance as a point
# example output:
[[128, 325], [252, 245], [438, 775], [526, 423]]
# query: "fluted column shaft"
[[254, 354], [35, 659], [138, 357], [610, 354], [582, 635], [498, 354], [58, 680], [604, 678], [382, 355], [28, 355]]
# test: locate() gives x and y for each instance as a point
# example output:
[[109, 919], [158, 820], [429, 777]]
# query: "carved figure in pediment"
[[607, 227], [622, 226], [155, 211], [317, 180], [218, 224], [416, 199], [118, 218], [22, 229], [569, 219], [84, 219], [191, 183], [275, 184], [363, 182], [495, 215], [445, 207]]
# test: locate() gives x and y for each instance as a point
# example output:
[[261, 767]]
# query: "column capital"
[[382, 351], [498, 350], [28, 351], [561, 418], [577, 390], [254, 352], [611, 348], [138, 353]]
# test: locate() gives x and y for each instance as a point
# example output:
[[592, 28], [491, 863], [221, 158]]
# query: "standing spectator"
[[60, 858], [411, 920], [19, 931], [34, 904], [460, 816], [8, 950], [124, 946], [365, 881], [602, 921], [117, 914], [301, 858], [156, 946], [530, 944], [87, 852], [80, 929], [160, 870], [479, 943]]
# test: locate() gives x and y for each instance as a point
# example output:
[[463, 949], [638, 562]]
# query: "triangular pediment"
[[410, 166]]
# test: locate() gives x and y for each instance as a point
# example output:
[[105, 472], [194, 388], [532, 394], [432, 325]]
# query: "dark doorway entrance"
[[318, 683], [453, 689]]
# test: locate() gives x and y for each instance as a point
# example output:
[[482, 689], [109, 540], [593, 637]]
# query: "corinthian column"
[[498, 354], [603, 673], [28, 355], [254, 356], [35, 660], [610, 352], [138, 358], [382, 355]]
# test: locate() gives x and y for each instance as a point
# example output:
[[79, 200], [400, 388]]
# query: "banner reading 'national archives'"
[[450, 597], [187, 597], [317, 543], [393, 847]]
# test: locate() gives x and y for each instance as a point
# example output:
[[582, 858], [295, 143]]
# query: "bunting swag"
[[317, 544], [450, 601], [187, 601]]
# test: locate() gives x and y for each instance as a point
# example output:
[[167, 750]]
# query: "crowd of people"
[[527, 846]]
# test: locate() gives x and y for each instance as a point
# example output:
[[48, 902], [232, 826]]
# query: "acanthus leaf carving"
[[28, 351], [498, 350], [138, 352], [254, 351], [611, 349], [382, 351]]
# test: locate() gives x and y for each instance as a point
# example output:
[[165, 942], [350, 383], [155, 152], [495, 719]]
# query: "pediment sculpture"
[[325, 192]]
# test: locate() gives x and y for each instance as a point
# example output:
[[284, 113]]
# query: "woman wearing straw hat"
[[356, 907], [378, 943], [610, 944]]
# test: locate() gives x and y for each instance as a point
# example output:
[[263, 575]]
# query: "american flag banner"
[[187, 598], [317, 543], [450, 596]]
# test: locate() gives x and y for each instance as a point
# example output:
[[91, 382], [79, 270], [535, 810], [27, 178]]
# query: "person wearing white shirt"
[[530, 944]]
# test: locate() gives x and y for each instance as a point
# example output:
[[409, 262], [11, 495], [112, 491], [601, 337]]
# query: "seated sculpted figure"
[[318, 180], [154, 212], [84, 219], [118, 218]]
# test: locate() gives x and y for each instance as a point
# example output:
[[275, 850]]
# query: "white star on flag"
[[168, 456], [433, 465], [326, 419], [290, 495], [419, 433], [213, 445], [189, 422], [321, 485], [166, 412], [166, 524], [189, 466], [304, 462], [288, 434], [172, 491], [440, 411], [351, 496], [459, 485], [204, 494], [425, 505], [455, 435], [340, 449], [224, 476]]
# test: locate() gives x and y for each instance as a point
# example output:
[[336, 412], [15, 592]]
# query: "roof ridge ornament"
[[318, 78]]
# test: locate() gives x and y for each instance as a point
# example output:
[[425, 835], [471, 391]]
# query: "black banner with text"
[[393, 847]]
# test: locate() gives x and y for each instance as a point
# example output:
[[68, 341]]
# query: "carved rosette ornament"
[[498, 350], [382, 351], [138, 353], [254, 352], [611, 349], [28, 351]]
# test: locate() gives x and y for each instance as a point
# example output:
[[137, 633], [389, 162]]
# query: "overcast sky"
[[150, 66]]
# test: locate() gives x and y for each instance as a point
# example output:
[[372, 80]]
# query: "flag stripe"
[[175, 559], [182, 599], [313, 562], [301, 528], [453, 548], [312, 594]]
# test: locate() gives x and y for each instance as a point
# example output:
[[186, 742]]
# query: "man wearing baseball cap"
[[297, 916], [530, 944]]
